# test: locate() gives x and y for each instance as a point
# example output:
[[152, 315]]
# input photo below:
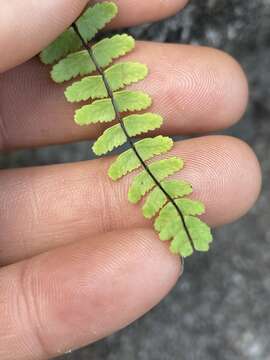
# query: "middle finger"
[[196, 89]]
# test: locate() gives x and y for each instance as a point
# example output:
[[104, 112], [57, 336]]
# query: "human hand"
[[79, 262]]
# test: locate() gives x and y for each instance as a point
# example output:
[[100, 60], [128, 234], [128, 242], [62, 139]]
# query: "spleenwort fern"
[[176, 215]]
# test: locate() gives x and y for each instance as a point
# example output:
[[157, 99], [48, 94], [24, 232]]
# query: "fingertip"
[[250, 174], [231, 102], [99, 286], [225, 174], [145, 11]]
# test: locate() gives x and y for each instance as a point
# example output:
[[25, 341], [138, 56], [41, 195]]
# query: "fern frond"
[[103, 111], [176, 215], [147, 148], [157, 199], [114, 136], [94, 19], [79, 64], [118, 76], [161, 169]]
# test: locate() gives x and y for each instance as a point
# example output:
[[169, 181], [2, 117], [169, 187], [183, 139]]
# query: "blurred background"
[[220, 308]]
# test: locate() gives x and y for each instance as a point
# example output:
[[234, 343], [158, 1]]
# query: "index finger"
[[26, 27], [77, 294]]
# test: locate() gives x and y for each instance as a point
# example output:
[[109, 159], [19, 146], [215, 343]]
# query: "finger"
[[95, 287], [196, 89], [54, 205], [29, 26]]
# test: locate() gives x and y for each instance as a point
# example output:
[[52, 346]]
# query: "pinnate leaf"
[[143, 182], [118, 76], [157, 199], [114, 136], [103, 111], [178, 215], [147, 148], [92, 20]]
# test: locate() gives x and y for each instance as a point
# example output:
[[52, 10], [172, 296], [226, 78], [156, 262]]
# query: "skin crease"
[[99, 265]]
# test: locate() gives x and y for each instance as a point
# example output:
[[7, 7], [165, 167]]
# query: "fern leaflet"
[[114, 136], [118, 75], [176, 215], [78, 63], [103, 110], [147, 148], [93, 20]]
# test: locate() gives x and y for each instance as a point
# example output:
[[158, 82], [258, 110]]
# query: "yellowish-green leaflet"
[[147, 148], [65, 43], [103, 111], [103, 89], [161, 169], [200, 233], [93, 19], [79, 63], [180, 243], [114, 136], [157, 199], [169, 227], [118, 76]]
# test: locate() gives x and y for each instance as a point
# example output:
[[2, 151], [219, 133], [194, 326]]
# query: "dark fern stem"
[[129, 139]]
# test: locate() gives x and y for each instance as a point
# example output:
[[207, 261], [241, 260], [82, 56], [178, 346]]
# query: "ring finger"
[[55, 205]]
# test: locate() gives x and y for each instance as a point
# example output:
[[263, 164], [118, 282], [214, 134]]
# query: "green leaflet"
[[103, 111], [170, 226], [79, 63], [138, 124], [157, 199], [161, 169], [93, 19], [65, 43], [200, 233], [147, 148], [176, 215], [168, 223], [134, 124], [180, 242], [187, 206], [110, 139], [118, 76]]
